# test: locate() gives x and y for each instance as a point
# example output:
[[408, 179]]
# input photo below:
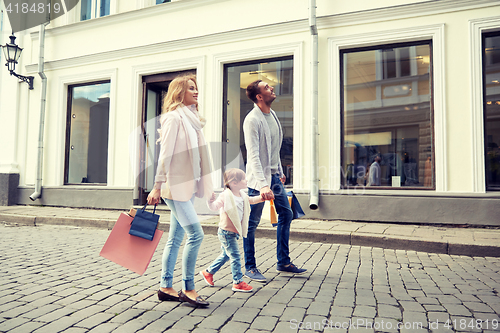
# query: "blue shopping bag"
[[295, 205], [144, 223]]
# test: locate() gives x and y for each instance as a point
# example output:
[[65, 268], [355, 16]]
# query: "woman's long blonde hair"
[[176, 91]]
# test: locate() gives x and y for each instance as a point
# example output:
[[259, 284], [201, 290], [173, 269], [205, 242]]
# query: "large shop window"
[[87, 134], [387, 119], [90, 9], [491, 90], [278, 74]]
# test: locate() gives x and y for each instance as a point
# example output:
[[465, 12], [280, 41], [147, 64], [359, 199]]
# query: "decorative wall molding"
[[113, 10], [432, 7], [223, 37], [476, 29], [433, 32], [7, 168], [145, 10], [72, 18], [64, 82], [296, 50], [171, 46]]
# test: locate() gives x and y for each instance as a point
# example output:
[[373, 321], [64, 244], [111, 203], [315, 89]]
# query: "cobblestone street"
[[52, 279]]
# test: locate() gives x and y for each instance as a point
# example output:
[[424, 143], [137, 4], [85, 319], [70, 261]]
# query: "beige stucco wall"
[[106, 47]]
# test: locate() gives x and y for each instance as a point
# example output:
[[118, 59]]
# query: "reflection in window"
[[104, 8], [86, 10], [277, 73], [87, 134], [161, 1], [396, 62], [491, 65], [93, 8], [387, 117]]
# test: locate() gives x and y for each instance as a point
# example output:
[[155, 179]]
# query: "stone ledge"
[[474, 250], [18, 219]]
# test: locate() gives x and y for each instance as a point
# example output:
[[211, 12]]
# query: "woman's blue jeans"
[[183, 220], [285, 216], [230, 251]]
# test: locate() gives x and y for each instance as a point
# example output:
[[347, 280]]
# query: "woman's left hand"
[[154, 197]]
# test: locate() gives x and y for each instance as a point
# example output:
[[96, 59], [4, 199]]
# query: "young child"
[[234, 205]]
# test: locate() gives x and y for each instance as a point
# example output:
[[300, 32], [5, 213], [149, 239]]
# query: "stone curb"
[[18, 219], [474, 250], [399, 243], [337, 237], [74, 221]]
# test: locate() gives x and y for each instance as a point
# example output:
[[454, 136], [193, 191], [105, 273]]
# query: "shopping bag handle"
[[144, 208]]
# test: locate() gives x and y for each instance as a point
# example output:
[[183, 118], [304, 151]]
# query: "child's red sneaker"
[[243, 287], [209, 278]]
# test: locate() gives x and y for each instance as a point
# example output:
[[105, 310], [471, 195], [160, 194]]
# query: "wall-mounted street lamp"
[[12, 53]]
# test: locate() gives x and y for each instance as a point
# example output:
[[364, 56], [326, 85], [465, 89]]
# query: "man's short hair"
[[253, 89]]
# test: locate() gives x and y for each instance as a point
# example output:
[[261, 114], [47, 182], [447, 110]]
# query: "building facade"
[[412, 85]]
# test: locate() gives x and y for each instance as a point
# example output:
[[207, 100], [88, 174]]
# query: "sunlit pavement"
[[53, 280]]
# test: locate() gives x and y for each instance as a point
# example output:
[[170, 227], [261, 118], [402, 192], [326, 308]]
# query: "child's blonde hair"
[[233, 175]]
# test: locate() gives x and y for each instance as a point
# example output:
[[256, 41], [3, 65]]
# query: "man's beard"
[[269, 101]]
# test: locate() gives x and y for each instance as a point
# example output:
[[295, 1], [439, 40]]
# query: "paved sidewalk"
[[52, 280], [456, 240]]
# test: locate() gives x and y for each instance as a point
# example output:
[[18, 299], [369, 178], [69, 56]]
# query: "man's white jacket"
[[258, 145]]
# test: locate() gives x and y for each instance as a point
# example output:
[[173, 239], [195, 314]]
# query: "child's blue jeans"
[[230, 251]]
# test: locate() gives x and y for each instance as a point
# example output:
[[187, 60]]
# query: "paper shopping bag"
[[131, 252], [273, 216]]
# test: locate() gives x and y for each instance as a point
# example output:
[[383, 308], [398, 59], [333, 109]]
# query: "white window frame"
[[265, 52], [81, 78], [397, 55], [476, 29], [77, 10], [148, 3], [95, 4], [413, 34], [172, 65]]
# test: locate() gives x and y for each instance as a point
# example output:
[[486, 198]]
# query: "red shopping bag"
[[129, 251]]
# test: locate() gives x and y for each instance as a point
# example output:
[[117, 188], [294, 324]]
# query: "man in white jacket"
[[263, 139]]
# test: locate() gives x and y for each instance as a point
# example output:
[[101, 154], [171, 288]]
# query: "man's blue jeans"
[[285, 216], [183, 220], [230, 251]]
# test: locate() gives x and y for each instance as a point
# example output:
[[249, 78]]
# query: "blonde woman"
[[183, 173]]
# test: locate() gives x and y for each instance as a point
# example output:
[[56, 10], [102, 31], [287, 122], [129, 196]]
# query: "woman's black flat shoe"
[[167, 297], [198, 302]]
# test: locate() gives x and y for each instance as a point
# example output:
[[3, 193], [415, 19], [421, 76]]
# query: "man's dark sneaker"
[[290, 269], [254, 274]]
